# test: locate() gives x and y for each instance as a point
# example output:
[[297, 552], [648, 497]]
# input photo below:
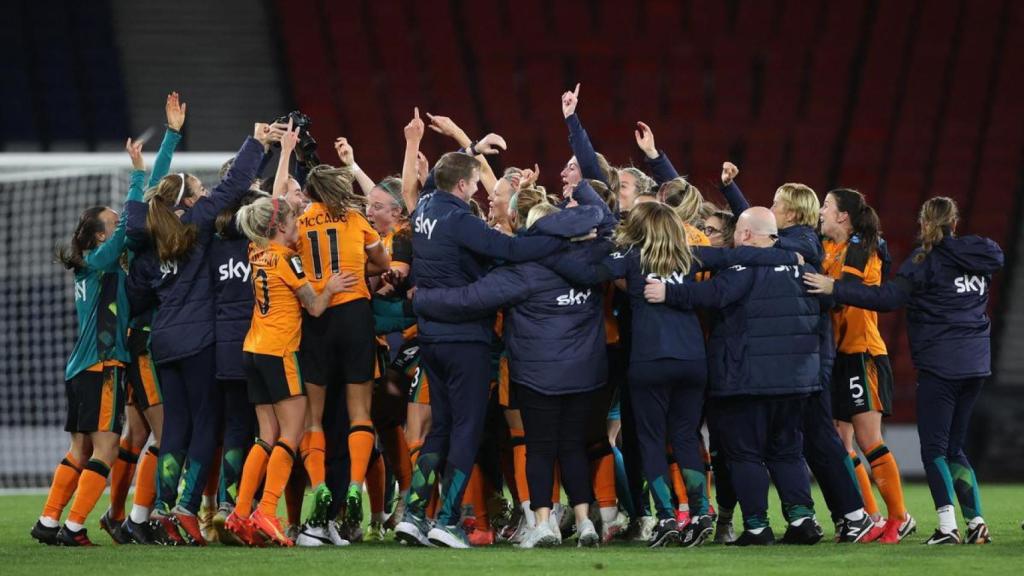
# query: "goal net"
[[41, 198]]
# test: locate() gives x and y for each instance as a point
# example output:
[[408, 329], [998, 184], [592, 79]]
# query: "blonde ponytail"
[[260, 220], [938, 217]]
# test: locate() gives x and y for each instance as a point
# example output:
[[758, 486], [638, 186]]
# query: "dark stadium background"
[[902, 99]]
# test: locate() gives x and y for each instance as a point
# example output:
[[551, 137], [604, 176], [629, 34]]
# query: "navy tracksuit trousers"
[[764, 438], [459, 374]]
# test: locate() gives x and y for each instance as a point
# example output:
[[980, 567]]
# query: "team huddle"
[[315, 331]]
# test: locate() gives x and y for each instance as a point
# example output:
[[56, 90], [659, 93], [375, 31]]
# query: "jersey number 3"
[[314, 247]]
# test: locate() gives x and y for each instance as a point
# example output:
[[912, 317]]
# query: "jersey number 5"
[[261, 290], [314, 247]]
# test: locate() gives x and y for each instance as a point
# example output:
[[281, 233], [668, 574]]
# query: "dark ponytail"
[[863, 218], [89, 226]]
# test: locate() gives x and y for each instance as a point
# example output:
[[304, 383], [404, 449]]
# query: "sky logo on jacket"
[[234, 269], [968, 283], [574, 298], [425, 225], [168, 268], [674, 278], [80, 290]]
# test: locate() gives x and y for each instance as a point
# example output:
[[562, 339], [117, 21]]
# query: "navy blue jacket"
[[184, 321], [233, 299], [661, 168], [766, 343], [452, 248], [583, 150], [554, 331], [805, 240], [946, 295]]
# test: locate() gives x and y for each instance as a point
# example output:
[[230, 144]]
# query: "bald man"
[[763, 364]]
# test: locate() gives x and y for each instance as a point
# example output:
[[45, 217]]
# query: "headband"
[[182, 191], [273, 215]]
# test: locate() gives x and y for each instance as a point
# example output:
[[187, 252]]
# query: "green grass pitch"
[[1004, 510]]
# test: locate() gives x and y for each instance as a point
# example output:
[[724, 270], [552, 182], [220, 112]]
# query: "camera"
[[307, 144]]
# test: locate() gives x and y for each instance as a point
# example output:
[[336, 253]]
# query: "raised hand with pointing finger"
[[569, 101]]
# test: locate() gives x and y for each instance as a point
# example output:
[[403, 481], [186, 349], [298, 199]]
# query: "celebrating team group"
[[607, 356]]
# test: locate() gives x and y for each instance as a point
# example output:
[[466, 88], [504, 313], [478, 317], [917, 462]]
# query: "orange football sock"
[[414, 452], [279, 469], [556, 486], [65, 481], [213, 478], [375, 484], [678, 486], [604, 481], [435, 501], [887, 478], [145, 483], [313, 449], [870, 505], [253, 471], [360, 446], [121, 477], [519, 463], [398, 456], [475, 497], [91, 484]]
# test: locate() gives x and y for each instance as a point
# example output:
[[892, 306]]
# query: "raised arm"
[[657, 161], [410, 182], [239, 178], [347, 156], [584, 195], [288, 142], [579, 140], [733, 195], [486, 146], [107, 255], [504, 286], [174, 109]]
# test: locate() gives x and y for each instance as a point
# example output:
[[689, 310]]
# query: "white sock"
[[48, 522], [73, 526], [756, 530], [947, 519], [684, 508], [856, 515], [609, 514], [973, 523], [798, 521], [531, 518], [139, 514]]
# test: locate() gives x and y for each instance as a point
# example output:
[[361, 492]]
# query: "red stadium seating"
[[900, 100]]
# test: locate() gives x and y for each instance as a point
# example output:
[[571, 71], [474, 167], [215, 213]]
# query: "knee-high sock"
[[279, 469], [679, 487], [313, 450], [604, 480], [121, 477], [91, 484], [887, 478], [375, 483], [360, 446], [864, 483], [622, 483], [474, 503], [399, 456], [65, 481], [519, 463], [145, 483], [213, 478], [230, 475], [294, 491], [252, 477], [965, 485], [556, 487]]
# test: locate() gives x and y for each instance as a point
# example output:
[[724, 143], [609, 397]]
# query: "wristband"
[[471, 149]]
